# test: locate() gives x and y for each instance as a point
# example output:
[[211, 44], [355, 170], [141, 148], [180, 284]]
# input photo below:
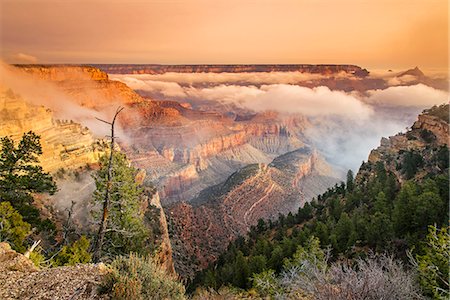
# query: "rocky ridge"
[[203, 228], [160, 69], [399, 153]]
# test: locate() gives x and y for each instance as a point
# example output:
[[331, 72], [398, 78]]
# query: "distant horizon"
[[443, 70]]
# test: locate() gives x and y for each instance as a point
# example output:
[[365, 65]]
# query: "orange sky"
[[370, 33]]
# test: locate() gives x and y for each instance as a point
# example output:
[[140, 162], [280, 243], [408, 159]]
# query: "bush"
[[427, 135], [433, 266], [309, 275], [77, 253], [140, 278], [13, 228], [37, 257]]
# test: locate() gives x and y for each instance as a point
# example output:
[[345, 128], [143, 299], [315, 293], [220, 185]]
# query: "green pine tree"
[[126, 231]]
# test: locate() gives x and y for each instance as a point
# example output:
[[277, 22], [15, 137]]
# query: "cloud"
[[285, 98], [247, 78], [401, 80], [418, 95], [24, 58], [346, 125], [346, 142], [167, 89], [250, 91]]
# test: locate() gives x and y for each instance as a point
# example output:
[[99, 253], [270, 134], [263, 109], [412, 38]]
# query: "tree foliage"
[[433, 265], [13, 229], [21, 175], [126, 231], [375, 214], [77, 253]]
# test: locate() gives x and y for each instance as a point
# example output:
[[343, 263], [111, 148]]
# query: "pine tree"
[[21, 175], [125, 231], [350, 183]]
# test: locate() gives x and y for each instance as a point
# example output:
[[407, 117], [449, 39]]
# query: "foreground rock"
[[20, 279]]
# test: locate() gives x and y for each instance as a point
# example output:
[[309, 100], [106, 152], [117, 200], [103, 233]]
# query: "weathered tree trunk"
[[98, 243]]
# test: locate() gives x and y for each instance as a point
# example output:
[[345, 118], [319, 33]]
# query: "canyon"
[[203, 227], [216, 169]]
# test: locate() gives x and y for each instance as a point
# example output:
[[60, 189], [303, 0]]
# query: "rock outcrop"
[[426, 138], [435, 124], [85, 85], [164, 252]]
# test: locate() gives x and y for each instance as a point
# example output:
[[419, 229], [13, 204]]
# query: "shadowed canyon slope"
[[227, 210]]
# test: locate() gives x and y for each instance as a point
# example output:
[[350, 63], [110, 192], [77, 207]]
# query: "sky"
[[391, 34]]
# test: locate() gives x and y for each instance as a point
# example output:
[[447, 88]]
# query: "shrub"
[[427, 135], [37, 257], [77, 253], [140, 278], [309, 275], [433, 265], [13, 228]]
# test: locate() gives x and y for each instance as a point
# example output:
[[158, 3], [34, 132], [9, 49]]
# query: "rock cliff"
[[65, 144], [425, 139], [85, 85], [164, 251]]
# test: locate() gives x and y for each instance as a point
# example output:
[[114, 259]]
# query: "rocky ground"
[[20, 279]]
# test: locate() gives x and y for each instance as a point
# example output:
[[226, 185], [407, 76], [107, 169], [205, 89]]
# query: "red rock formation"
[[436, 125]]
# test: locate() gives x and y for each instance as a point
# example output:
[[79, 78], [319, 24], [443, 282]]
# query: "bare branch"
[[35, 244]]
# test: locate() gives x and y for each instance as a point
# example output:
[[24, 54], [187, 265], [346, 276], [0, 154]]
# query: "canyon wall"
[[65, 144], [160, 69]]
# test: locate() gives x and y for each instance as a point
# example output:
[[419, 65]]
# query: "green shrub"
[[13, 228], [77, 253], [37, 257], [140, 278], [433, 266]]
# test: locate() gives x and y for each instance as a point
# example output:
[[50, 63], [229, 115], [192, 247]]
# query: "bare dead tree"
[[68, 225], [35, 244], [98, 242]]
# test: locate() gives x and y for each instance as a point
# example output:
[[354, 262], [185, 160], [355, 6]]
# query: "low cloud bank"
[[347, 125], [248, 78], [419, 95]]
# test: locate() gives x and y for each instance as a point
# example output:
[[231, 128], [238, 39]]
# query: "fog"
[[419, 95], [249, 78], [63, 105], [346, 125]]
